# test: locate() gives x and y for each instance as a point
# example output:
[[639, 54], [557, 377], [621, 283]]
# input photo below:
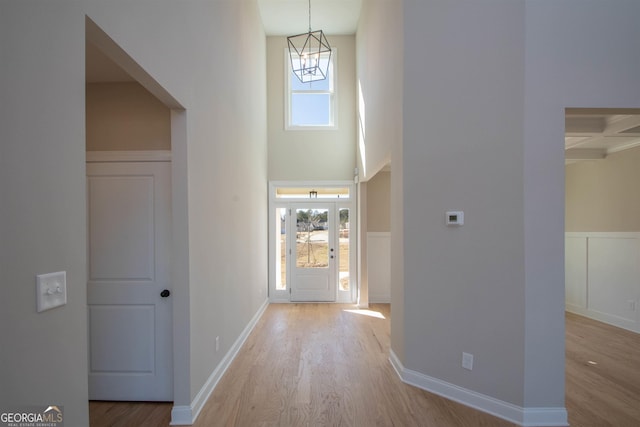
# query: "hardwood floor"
[[323, 365], [602, 374], [320, 365], [129, 414]]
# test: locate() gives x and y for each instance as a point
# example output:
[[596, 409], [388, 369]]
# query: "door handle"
[[165, 293]]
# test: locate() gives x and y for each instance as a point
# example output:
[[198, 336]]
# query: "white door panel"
[[313, 253], [130, 350], [110, 326], [121, 211]]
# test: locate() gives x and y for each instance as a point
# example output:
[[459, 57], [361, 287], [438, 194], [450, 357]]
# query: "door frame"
[[275, 202], [182, 412]]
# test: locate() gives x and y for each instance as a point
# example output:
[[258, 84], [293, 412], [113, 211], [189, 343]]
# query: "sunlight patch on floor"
[[369, 313]]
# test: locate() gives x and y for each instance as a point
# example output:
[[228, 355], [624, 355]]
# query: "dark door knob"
[[165, 293]]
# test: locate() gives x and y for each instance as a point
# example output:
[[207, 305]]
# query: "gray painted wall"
[[483, 132], [191, 50], [43, 208], [462, 150]]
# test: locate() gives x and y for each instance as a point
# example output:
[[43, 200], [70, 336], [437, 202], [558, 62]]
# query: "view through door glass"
[[312, 238]]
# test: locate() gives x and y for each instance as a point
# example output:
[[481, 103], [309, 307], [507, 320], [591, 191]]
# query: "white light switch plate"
[[51, 290]]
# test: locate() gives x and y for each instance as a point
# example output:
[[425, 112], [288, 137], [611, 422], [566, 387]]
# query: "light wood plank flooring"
[[602, 374], [321, 365], [129, 414]]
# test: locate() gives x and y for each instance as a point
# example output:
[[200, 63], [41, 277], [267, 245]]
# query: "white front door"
[[313, 252], [128, 289]]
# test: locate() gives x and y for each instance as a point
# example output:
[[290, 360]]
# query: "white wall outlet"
[[454, 217], [217, 344], [632, 305], [51, 290], [467, 361]]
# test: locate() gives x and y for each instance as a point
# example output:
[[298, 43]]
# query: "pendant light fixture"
[[310, 54]]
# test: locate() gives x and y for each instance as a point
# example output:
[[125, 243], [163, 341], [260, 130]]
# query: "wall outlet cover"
[[467, 361]]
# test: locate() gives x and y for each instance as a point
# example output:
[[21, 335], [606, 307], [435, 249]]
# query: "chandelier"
[[310, 54]]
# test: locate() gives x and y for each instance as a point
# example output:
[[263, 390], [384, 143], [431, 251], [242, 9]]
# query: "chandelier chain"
[[310, 54]]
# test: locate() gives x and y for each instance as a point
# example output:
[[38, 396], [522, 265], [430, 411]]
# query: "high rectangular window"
[[311, 105]]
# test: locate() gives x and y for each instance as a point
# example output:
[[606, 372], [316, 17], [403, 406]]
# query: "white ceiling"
[[291, 17], [592, 133]]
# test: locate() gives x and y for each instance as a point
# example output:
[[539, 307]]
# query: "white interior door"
[[313, 252], [129, 309]]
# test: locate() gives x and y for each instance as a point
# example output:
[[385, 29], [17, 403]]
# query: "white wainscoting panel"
[[379, 264], [125, 203], [575, 271], [602, 277], [110, 326]]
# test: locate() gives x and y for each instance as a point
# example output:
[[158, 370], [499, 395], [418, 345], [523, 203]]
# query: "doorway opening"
[[602, 248], [312, 242], [107, 64], [602, 226]]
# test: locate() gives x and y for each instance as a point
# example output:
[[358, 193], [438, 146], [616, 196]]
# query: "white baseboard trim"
[[609, 319], [187, 415], [527, 417], [181, 416], [380, 298]]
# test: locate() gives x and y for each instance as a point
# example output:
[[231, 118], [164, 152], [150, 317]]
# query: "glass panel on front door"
[[343, 247], [313, 276], [312, 238]]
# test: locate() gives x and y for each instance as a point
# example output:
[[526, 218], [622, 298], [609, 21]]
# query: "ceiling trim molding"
[[129, 156], [623, 147], [585, 154]]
